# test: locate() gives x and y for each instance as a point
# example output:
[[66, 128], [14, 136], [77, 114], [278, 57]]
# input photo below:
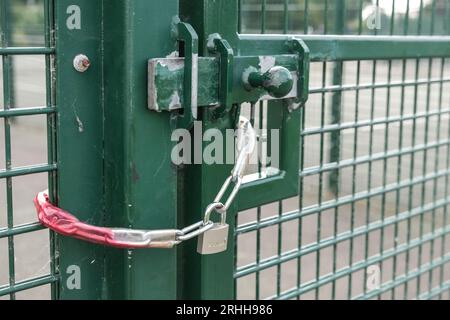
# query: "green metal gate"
[[357, 209]]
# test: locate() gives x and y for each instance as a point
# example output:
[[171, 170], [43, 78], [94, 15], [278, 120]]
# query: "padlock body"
[[214, 240]]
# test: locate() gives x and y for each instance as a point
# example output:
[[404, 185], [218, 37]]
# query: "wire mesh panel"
[[371, 220], [28, 160]]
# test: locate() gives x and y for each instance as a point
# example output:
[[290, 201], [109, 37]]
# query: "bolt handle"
[[277, 81]]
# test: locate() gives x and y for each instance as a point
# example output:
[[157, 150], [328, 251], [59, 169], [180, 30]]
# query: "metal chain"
[[245, 144], [67, 224]]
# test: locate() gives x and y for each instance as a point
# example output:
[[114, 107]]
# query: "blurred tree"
[[27, 22], [318, 19]]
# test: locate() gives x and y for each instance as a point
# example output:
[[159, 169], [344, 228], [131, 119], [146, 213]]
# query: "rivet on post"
[[81, 63]]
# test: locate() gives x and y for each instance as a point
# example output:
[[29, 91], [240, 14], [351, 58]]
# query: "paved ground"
[[29, 147]]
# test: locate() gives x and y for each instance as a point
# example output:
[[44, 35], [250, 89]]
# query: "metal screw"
[[81, 63]]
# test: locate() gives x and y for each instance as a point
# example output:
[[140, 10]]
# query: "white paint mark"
[[172, 64], [152, 91], [194, 97], [266, 62], [175, 101], [80, 125], [211, 38], [174, 54]]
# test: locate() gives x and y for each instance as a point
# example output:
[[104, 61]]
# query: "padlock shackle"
[[215, 207]]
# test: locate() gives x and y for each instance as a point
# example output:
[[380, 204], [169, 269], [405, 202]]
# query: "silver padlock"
[[215, 240]]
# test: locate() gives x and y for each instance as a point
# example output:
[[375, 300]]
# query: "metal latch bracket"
[[223, 79]]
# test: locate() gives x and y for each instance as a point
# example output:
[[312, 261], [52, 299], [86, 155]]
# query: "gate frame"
[[105, 176]]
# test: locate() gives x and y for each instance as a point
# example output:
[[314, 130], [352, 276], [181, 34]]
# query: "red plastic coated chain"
[[66, 224]]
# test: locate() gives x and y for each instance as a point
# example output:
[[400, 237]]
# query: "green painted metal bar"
[[259, 106], [286, 16], [414, 137], [412, 163], [343, 47], [370, 164], [355, 155], [18, 230], [283, 185], [28, 284], [18, 112], [105, 177], [271, 125], [279, 247], [400, 146], [221, 16], [335, 136], [208, 17], [141, 184], [80, 143], [392, 19], [436, 167], [321, 176], [336, 99], [263, 16], [425, 165], [378, 85], [50, 99], [26, 51], [447, 13], [7, 32], [240, 16], [444, 243], [438, 131], [326, 6], [386, 143], [23, 171], [447, 180]]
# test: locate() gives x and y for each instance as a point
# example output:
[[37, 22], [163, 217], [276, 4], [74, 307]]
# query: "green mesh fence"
[[371, 220], [27, 260]]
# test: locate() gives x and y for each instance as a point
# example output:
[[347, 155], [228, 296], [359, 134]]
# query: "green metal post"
[[80, 144], [141, 186], [114, 154], [336, 100], [210, 277]]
